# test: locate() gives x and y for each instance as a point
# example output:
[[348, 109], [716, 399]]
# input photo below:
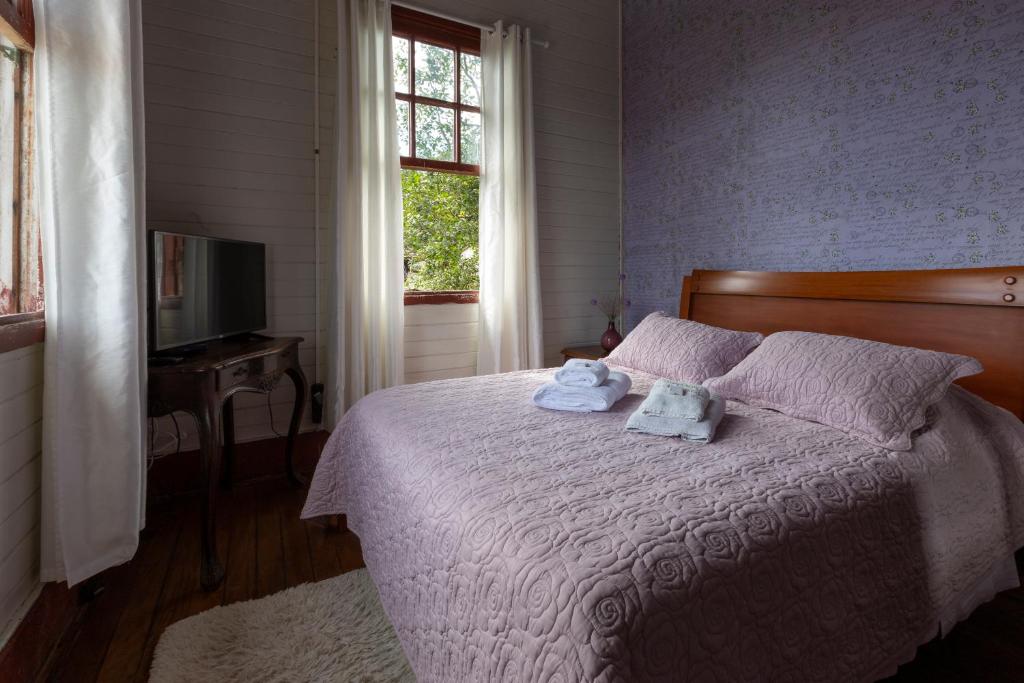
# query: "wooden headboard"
[[978, 312]]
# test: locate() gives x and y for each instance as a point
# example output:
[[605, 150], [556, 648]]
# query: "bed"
[[513, 543]]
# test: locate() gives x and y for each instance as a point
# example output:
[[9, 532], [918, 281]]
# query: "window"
[[437, 93], [21, 294]]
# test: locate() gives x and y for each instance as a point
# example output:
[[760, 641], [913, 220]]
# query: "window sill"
[[20, 330], [413, 298]]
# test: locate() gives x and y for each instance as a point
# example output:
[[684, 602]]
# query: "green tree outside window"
[[442, 230]]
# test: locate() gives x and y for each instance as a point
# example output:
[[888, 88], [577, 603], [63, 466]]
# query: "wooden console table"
[[204, 385]]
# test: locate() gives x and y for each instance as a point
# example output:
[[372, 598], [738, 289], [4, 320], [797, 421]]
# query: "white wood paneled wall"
[[440, 341], [230, 135], [21, 407]]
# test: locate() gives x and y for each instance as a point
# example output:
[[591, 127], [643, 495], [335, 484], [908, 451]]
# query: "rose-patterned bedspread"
[[510, 542]]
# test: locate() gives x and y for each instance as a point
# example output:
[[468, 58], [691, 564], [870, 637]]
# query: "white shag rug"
[[332, 630]]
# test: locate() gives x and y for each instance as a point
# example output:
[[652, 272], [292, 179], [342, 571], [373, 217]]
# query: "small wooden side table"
[[204, 384], [586, 352]]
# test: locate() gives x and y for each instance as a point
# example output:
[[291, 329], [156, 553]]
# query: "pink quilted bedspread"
[[514, 543]]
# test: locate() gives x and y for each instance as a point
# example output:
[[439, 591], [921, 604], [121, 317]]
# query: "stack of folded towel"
[[583, 386], [678, 409]]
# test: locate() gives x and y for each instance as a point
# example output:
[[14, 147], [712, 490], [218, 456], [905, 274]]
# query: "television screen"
[[204, 288]]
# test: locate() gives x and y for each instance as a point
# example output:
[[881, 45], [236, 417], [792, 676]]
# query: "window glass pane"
[[469, 86], [8, 59], [435, 72], [402, 109], [400, 53], [435, 133], [470, 134], [441, 229]]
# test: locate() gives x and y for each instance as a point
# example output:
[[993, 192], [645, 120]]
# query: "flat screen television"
[[202, 288]]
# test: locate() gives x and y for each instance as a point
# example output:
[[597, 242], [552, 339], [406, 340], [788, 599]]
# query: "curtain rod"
[[441, 15]]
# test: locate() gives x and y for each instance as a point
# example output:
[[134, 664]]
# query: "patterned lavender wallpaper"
[[816, 135]]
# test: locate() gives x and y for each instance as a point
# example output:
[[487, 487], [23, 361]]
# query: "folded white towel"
[[701, 431], [555, 396], [580, 372], [676, 399]]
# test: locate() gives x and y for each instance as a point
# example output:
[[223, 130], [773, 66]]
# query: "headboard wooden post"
[[977, 312], [684, 297]]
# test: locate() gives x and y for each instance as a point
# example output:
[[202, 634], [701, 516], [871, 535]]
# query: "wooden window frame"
[[17, 24], [415, 297], [425, 28]]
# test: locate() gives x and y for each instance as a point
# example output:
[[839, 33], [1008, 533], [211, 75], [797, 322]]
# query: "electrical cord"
[[270, 410], [177, 434], [155, 451]]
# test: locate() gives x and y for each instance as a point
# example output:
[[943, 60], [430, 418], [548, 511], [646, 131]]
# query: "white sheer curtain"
[[510, 331], [365, 351], [89, 123]]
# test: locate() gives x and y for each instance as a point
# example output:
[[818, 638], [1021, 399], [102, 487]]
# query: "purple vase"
[[611, 337]]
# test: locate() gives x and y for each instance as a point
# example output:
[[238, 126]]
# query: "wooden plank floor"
[[263, 544], [266, 548]]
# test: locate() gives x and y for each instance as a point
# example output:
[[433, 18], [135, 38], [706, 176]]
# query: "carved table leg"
[[211, 571], [229, 443], [299, 379]]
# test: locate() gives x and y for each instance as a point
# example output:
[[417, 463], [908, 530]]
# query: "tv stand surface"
[[204, 385], [196, 349], [164, 360], [223, 352], [176, 353]]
